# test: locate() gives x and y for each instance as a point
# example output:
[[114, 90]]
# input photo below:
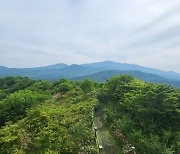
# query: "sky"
[[43, 32]]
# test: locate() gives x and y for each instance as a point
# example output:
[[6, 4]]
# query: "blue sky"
[[43, 32]]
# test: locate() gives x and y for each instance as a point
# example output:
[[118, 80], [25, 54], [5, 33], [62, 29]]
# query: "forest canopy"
[[39, 116]]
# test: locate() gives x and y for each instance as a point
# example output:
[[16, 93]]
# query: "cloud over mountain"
[[36, 33]]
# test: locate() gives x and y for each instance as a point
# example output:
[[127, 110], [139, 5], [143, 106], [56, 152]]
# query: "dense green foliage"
[[47, 118], [38, 116], [148, 114], [14, 107], [10, 85], [87, 85]]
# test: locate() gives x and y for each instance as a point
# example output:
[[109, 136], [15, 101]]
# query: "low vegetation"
[[148, 114], [39, 116], [47, 117]]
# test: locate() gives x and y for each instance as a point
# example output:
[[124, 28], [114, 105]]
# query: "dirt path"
[[105, 138]]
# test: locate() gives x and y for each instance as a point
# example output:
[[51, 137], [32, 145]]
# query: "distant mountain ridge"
[[99, 71], [55, 66], [105, 75], [109, 65]]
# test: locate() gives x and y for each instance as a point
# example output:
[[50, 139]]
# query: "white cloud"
[[43, 32]]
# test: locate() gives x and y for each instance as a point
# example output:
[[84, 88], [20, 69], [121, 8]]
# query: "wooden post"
[[100, 148], [95, 128]]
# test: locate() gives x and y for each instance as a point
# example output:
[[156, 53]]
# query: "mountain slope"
[[55, 66], [54, 72], [105, 75], [36, 73], [109, 65]]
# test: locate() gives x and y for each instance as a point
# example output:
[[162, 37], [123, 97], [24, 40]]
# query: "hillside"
[[45, 117], [105, 75], [38, 116], [110, 65], [147, 113]]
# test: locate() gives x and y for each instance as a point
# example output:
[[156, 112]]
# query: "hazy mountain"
[[105, 75], [52, 72], [98, 71], [109, 65], [56, 66], [71, 71], [78, 70], [2, 67]]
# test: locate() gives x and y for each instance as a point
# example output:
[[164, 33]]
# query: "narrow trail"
[[105, 138]]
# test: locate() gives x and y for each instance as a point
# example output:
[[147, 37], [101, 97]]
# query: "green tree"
[[87, 85], [15, 106]]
